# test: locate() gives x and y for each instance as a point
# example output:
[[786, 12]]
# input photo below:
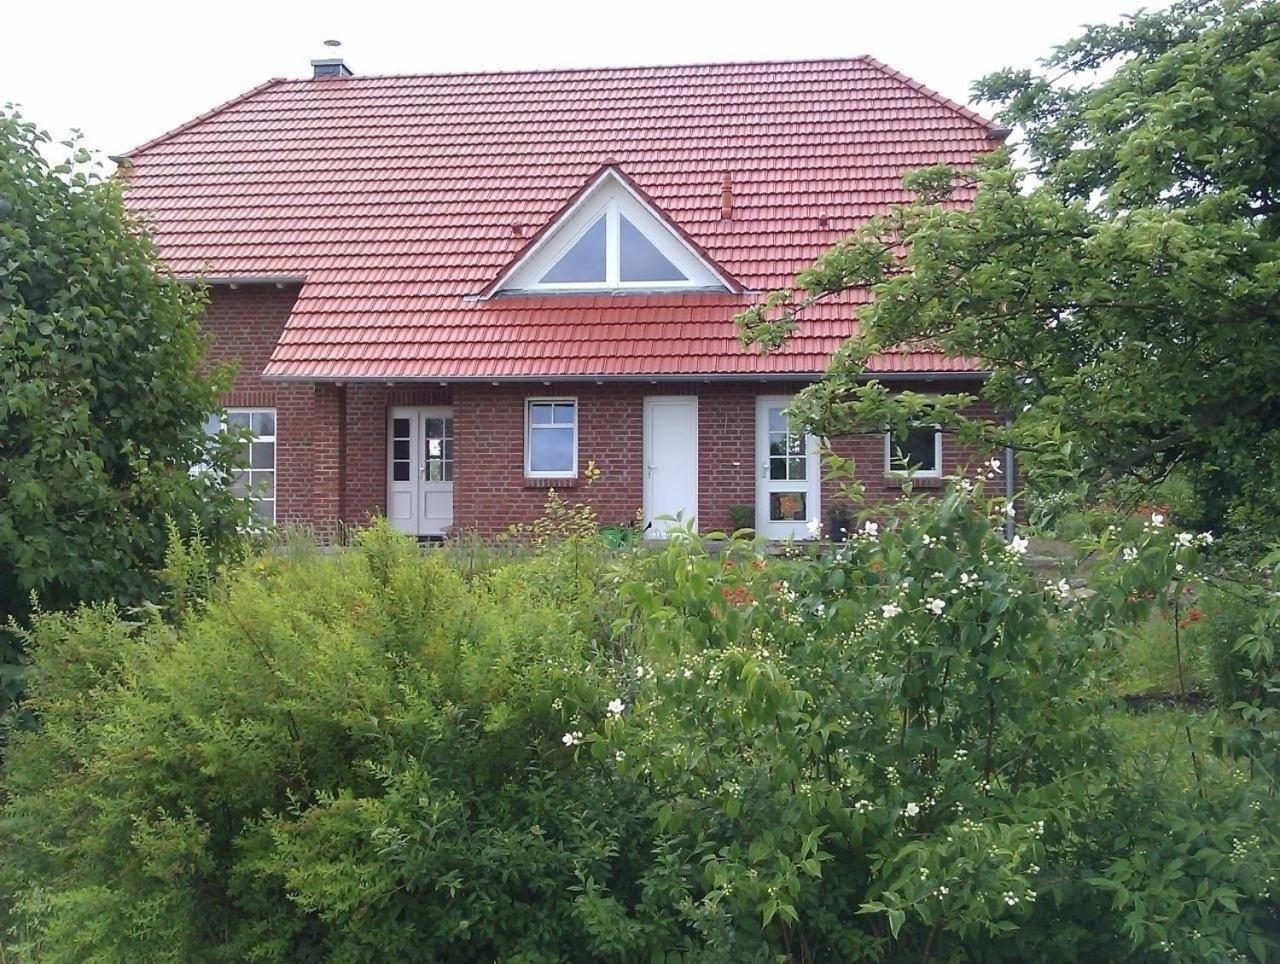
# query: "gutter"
[[651, 377]]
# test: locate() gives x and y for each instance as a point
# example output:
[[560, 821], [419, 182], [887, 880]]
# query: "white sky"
[[126, 72]]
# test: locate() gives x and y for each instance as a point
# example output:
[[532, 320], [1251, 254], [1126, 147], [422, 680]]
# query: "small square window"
[[918, 453], [551, 438]]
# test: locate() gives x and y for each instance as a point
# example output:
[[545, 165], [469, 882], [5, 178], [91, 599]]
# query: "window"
[[255, 475], [551, 438], [613, 253], [919, 453], [584, 262], [437, 448], [611, 239], [639, 258], [788, 463]]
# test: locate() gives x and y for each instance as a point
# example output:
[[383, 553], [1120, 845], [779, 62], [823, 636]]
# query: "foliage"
[[101, 395], [741, 517], [893, 750], [347, 756], [1127, 299], [914, 727]]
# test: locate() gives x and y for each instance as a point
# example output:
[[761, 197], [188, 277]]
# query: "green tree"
[[102, 397], [1119, 273]]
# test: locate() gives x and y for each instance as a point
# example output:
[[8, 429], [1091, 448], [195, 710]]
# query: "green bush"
[[888, 751], [102, 397], [1229, 624]]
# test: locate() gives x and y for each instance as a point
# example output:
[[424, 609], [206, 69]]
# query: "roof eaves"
[[240, 98], [933, 95], [299, 373]]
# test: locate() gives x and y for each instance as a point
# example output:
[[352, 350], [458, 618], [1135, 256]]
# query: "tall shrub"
[[102, 398]]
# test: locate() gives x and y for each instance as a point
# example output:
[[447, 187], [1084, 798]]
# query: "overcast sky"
[[126, 72]]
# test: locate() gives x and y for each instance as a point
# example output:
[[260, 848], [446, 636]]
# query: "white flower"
[[863, 806], [1010, 898], [1018, 545], [995, 465], [815, 527], [616, 707], [935, 605], [870, 529], [1129, 553], [968, 579], [1157, 520], [1205, 538], [572, 738], [1010, 510], [1183, 539], [943, 891], [890, 610], [911, 809]]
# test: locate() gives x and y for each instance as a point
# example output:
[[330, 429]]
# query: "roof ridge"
[[929, 92], [225, 105], [603, 68]]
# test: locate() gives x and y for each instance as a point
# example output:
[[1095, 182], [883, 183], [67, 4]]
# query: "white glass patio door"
[[420, 469], [787, 473]]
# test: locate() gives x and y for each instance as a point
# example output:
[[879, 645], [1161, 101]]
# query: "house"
[[448, 294]]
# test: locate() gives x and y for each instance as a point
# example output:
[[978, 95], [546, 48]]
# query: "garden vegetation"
[[903, 748]]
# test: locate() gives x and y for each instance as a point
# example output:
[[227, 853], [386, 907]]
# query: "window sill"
[[897, 480], [551, 482]]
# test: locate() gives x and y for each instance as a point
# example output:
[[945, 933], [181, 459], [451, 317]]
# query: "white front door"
[[670, 462], [787, 473], [420, 470]]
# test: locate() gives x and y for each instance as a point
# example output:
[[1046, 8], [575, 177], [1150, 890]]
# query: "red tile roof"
[[397, 199]]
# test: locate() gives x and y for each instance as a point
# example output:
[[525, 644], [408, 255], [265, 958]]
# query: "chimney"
[[726, 197], [331, 66]]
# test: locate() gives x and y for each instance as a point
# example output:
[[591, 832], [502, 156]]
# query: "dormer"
[[611, 238]]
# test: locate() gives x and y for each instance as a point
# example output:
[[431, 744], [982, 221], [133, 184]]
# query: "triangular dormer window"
[[611, 239], [586, 261]]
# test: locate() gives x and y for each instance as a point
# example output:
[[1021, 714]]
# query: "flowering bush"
[[897, 749], [889, 751]]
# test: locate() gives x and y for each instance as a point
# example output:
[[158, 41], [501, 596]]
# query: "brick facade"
[[331, 450]]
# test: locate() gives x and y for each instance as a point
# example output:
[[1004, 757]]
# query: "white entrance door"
[[670, 462], [420, 470], [788, 476]]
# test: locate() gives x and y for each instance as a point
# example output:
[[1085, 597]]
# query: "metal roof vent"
[[330, 66]]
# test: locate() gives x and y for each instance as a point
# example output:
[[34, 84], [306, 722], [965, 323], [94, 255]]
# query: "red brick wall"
[[331, 449], [490, 491], [244, 324]]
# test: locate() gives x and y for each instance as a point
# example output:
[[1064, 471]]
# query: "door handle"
[[764, 470]]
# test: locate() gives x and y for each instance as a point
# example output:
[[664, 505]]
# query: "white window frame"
[[934, 473], [611, 197], [529, 428], [274, 439]]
